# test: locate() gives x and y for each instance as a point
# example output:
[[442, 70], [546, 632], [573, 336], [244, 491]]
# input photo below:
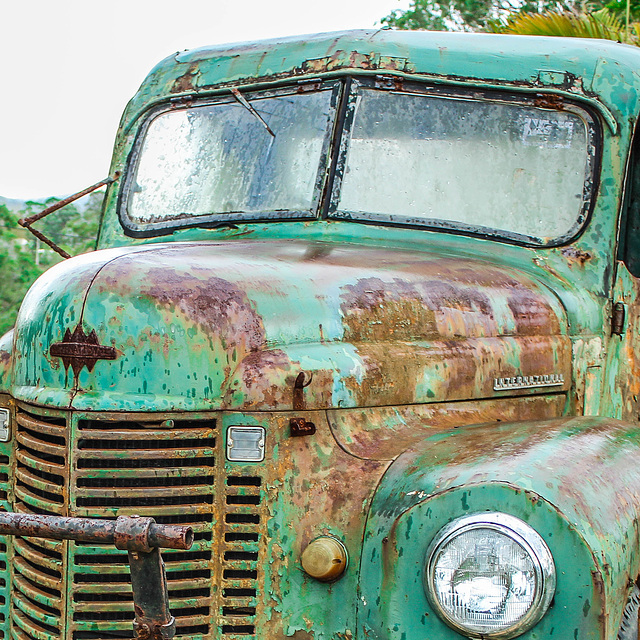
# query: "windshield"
[[506, 166], [473, 164], [244, 157]]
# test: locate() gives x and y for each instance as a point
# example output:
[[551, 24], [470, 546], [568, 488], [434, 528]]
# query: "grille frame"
[[97, 601]]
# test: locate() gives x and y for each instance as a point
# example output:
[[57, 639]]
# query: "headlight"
[[489, 575]]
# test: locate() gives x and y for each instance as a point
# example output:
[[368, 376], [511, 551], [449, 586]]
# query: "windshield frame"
[[548, 101], [167, 225], [333, 156]]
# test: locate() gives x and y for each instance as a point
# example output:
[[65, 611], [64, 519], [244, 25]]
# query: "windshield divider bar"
[[337, 138]]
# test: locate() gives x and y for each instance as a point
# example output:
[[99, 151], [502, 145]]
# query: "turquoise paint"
[[574, 480]]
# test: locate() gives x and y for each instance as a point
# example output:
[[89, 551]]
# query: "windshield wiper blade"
[[245, 103]]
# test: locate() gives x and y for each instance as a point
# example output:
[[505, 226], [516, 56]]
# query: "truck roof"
[[601, 71]]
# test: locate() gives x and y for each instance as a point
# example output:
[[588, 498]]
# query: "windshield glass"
[[247, 156], [512, 169]]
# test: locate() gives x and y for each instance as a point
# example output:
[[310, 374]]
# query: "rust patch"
[[338, 60], [576, 256], [79, 350], [549, 101], [383, 433], [220, 308], [301, 427], [376, 311], [187, 81], [449, 301], [531, 313], [303, 380]]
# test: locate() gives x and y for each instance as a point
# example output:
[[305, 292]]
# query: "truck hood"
[[284, 325]]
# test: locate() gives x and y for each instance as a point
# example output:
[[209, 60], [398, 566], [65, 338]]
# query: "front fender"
[[576, 481]]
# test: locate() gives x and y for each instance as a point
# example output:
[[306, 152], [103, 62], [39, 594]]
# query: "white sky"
[[68, 68]]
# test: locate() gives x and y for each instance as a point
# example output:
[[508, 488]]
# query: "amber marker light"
[[324, 559]]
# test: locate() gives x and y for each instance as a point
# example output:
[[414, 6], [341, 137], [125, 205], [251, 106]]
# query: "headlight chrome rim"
[[522, 534]]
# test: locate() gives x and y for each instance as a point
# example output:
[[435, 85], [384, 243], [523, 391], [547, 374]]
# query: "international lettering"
[[528, 382]]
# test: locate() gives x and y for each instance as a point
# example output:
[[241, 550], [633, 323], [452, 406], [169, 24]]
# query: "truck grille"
[[166, 469], [37, 606]]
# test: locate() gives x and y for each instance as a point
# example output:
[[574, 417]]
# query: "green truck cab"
[[364, 314]]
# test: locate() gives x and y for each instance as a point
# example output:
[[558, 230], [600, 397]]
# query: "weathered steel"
[[301, 427], [151, 599], [27, 222], [142, 537], [126, 532], [79, 350]]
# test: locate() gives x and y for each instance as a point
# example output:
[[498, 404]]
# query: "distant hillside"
[[12, 204]]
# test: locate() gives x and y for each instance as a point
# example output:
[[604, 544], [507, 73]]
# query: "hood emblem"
[[528, 382], [78, 350]]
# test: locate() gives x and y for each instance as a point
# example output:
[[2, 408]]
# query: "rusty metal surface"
[[27, 222], [137, 534], [206, 327], [150, 596], [301, 427], [575, 480], [383, 433], [78, 350], [251, 521], [142, 537]]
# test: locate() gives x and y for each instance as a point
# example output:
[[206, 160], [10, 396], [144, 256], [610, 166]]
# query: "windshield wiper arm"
[[245, 103]]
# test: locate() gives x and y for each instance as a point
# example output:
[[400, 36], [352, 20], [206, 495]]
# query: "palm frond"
[[601, 24]]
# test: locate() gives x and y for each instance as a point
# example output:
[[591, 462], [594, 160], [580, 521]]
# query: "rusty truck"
[[359, 350]]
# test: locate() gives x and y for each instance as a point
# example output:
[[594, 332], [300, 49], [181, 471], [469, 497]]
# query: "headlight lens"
[[490, 575]]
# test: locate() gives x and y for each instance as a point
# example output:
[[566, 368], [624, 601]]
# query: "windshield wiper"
[[245, 103]]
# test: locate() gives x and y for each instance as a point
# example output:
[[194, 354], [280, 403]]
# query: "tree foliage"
[[23, 258], [464, 15], [562, 17], [604, 24]]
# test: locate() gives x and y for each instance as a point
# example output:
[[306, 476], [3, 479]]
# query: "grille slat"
[[33, 480], [144, 492], [34, 611], [43, 505], [31, 627], [95, 476], [123, 566], [143, 434], [104, 455], [36, 557], [39, 565], [141, 510], [53, 427], [33, 462], [33, 592], [176, 585], [35, 575], [240, 553], [177, 604], [18, 634], [39, 446]]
